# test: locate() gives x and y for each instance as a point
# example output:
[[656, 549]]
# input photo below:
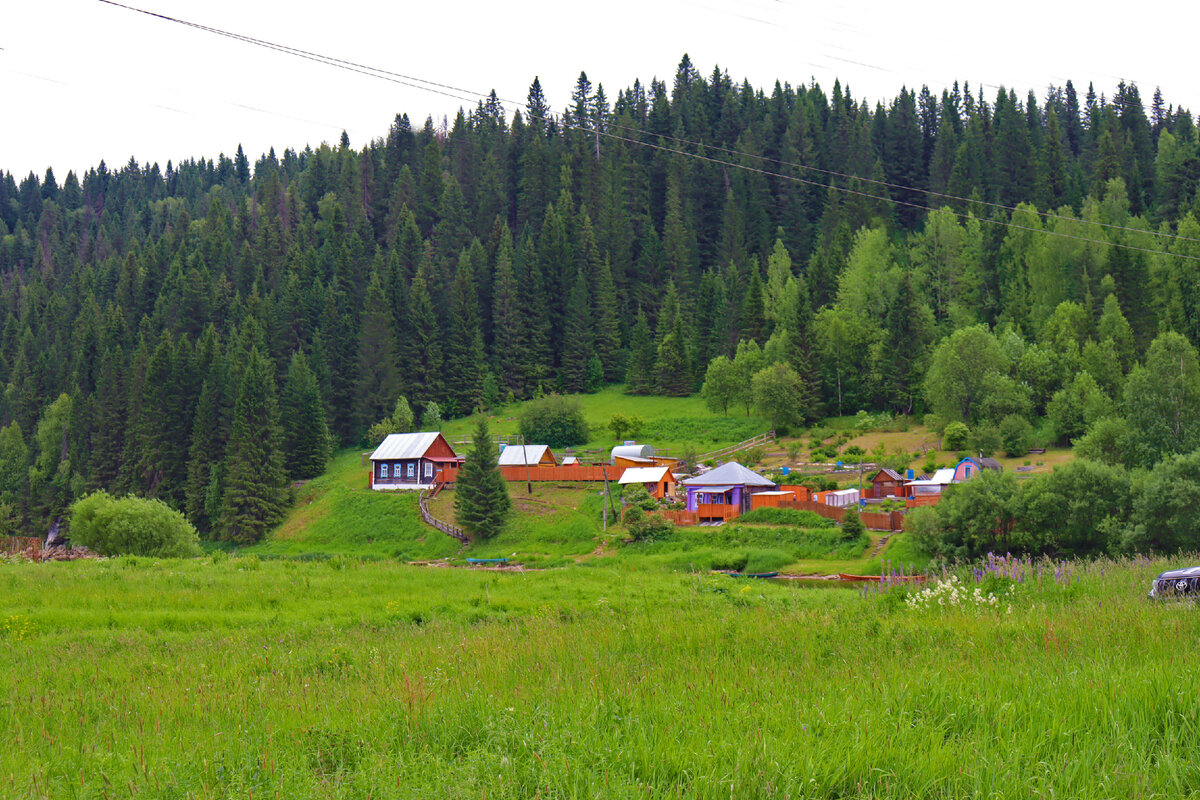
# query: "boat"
[[487, 560], [752, 574], [846, 577]]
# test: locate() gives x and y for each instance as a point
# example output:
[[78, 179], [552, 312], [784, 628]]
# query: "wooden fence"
[[762, 438], [572, 472], [876, 521], [28, 545], [430, 519]]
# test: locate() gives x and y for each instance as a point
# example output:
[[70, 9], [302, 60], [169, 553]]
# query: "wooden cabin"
[[413, 461], [527, 455], [659, 481]]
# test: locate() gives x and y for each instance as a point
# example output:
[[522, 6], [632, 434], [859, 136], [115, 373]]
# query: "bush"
[[554, 421], [645, 527], [985, 440], [132, 525], [852, 525], [1015, 435], [955, 436], [785, 516]]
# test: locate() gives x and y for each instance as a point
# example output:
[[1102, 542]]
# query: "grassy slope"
[[239, 678], [672, 423], [337, 514]]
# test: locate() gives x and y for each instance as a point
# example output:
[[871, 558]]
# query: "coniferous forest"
[[203, 332]]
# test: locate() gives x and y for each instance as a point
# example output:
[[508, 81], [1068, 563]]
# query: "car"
[[1177, 583]]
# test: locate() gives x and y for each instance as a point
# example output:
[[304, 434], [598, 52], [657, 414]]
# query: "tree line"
[[205, 333]]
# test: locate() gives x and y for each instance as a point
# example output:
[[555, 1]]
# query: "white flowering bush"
[[951, 593]]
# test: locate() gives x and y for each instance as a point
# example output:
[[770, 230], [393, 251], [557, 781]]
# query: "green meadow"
[[240, 677], [670, 423]]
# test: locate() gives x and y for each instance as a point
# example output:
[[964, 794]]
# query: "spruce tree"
[[255, 480], [577, 338], [639, 378], [506, 322], [378, 382], [464, 345], [481, 502], [302, 415]]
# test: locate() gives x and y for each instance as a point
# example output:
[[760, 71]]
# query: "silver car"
[[1177, 583]]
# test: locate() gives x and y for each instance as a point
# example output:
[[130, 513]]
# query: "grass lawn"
[[670, 423], [235, 677], [336, 514]]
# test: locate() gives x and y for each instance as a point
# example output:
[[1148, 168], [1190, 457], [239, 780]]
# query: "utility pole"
[[525, 458]]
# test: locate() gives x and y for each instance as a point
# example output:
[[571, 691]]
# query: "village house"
[[724, 492], [413, 461], [659, 481], [971, 467], [522, 455]]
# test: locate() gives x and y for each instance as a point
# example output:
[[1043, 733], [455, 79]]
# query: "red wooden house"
[[413, 461]]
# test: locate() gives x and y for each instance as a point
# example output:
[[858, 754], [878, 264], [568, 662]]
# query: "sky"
[[84, 81]]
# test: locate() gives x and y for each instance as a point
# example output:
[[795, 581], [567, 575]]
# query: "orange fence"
[[922, 500], [572, 472], [886, 521]]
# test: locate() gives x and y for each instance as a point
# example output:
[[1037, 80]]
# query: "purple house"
[[725, 491]]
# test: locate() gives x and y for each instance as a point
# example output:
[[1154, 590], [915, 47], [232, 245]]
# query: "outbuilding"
[[522, 455], [659, 481]]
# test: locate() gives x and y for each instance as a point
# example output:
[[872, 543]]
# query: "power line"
[[462, 95]]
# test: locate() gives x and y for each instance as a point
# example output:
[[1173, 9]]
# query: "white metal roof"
[[404, 445], [844, 492], [942, 477], [633, 450], [729, 472], [643, 474], [521, 454]]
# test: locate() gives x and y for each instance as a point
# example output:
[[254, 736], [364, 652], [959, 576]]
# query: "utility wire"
[[468, 95], [456, 93]]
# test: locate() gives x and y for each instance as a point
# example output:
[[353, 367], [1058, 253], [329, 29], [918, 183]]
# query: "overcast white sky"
[[84, 81]]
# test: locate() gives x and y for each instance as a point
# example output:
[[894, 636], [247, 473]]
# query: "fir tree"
[[302, 414], [378, 382], [253, 500], [481, 502], [463, 382], [639, 378]]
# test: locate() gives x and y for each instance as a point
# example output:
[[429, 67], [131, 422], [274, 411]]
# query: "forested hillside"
[[191, 332]]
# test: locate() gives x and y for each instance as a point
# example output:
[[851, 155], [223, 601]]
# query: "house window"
[[967, 470], [428, 470], [412, 470], [383, 470]]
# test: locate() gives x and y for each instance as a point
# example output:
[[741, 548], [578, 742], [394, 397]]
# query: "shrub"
[[1015, 435], [786, 516], [955, 436], [132, 525], [985, 440], [554, 421], [645, 527]]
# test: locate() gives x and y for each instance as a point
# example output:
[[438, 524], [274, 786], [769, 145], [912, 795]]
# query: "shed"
[[887, 483], [659, 481], [521, 455], [931, 486], [729, 486], [413, 461]]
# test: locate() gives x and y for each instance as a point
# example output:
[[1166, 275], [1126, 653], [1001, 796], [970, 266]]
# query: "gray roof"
[[729, 473], [521, 454], [891, 473], [991, 463], [404, 445]]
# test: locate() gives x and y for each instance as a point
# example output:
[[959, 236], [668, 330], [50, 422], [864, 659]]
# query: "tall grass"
[[189, 679]]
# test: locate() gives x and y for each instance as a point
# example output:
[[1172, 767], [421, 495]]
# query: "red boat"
[[845, 577]]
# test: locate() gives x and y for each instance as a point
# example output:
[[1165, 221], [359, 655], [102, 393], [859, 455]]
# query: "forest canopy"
[[201, 333]]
